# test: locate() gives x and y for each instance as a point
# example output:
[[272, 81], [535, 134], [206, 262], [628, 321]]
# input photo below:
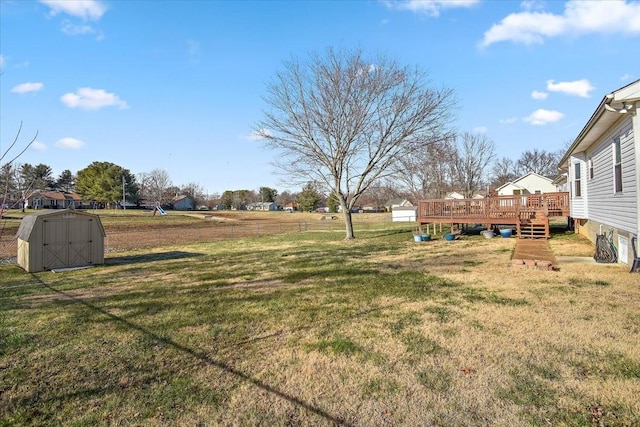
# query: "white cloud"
[[530, 5], [38, 146], [508, 120], [87, 98], [27, 87], [71, 29], [429, 7], [542, 117], [69, 143], [1, 61], [257, 135], [85, 9], [579, 88], [480, 129], [579, 17], [539, 95]]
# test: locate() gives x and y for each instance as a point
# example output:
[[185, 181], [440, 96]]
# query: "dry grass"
[[308, 329]]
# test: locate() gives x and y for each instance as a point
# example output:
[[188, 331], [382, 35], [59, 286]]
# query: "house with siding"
[[397, 203], [183, 203], [530, 183], [262, 206], [55, 200], [603, 171]]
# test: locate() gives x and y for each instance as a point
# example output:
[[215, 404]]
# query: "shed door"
[[66, 243], [80, 242]]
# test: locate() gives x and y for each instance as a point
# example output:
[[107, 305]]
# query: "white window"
[[617, 166], [577, 181]]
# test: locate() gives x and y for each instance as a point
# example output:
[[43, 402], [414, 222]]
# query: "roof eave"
[[629, 93]]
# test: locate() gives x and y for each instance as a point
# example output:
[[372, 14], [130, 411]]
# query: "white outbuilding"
[[403, 214]]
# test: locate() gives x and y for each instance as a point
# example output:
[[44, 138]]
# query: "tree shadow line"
[[201, 355]]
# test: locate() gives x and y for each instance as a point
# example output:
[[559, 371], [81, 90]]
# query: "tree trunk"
[[348, 223]]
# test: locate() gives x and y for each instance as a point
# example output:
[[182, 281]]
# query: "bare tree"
[[503, 170], [285, 198], [195, 191], [428, 173], [8, 156], [12, 156], [343, 120], [155, 186], [539, 161], [475, 152]]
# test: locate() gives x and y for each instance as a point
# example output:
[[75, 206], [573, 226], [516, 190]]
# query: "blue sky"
[[177, 85]]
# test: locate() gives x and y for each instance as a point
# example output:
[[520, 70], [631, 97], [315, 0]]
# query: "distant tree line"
[[103, 182], [465, 163]]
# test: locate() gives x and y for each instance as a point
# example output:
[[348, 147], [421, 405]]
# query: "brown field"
[[136, 229]]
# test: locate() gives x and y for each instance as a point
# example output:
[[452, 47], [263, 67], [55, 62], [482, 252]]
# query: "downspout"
[[636, 138]]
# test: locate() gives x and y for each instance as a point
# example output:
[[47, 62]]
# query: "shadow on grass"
[[200, 355], [162, 256]]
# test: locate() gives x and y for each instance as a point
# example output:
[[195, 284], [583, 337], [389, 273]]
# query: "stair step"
[[533, 230]]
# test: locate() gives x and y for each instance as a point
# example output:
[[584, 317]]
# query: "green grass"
[[308, 329]]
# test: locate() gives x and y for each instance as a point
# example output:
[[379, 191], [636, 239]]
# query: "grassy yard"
[[308, 329]]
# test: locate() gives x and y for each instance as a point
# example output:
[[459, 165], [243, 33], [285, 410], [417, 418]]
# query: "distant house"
[[603, 171], [531, 183], [262, 206], [183, 203], [561, 183], [10, 201], [453, 195], [397, 203], [290, 207], [55, 200]]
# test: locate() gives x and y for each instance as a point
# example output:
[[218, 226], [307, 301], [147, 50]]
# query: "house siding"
[[602, 199], [535, 183], [508, 189], [578, 204], [527, 184], [605, 210]]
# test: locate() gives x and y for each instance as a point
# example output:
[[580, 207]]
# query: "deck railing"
[[490, 209]]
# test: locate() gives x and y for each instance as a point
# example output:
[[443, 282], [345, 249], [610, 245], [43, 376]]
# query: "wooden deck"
[[528, 213]]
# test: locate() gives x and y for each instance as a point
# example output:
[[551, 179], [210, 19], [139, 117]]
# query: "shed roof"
[[28, 222]]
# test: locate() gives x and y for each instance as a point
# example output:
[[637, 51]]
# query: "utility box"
[[60, 239]]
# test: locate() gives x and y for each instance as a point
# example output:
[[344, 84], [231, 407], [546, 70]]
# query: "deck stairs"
[[533, 225]]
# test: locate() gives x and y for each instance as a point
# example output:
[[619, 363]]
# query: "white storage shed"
[[403, 214]]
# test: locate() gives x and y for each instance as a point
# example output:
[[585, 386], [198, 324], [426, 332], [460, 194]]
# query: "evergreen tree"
[[103, 181], [66, 182], [309, 198]]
